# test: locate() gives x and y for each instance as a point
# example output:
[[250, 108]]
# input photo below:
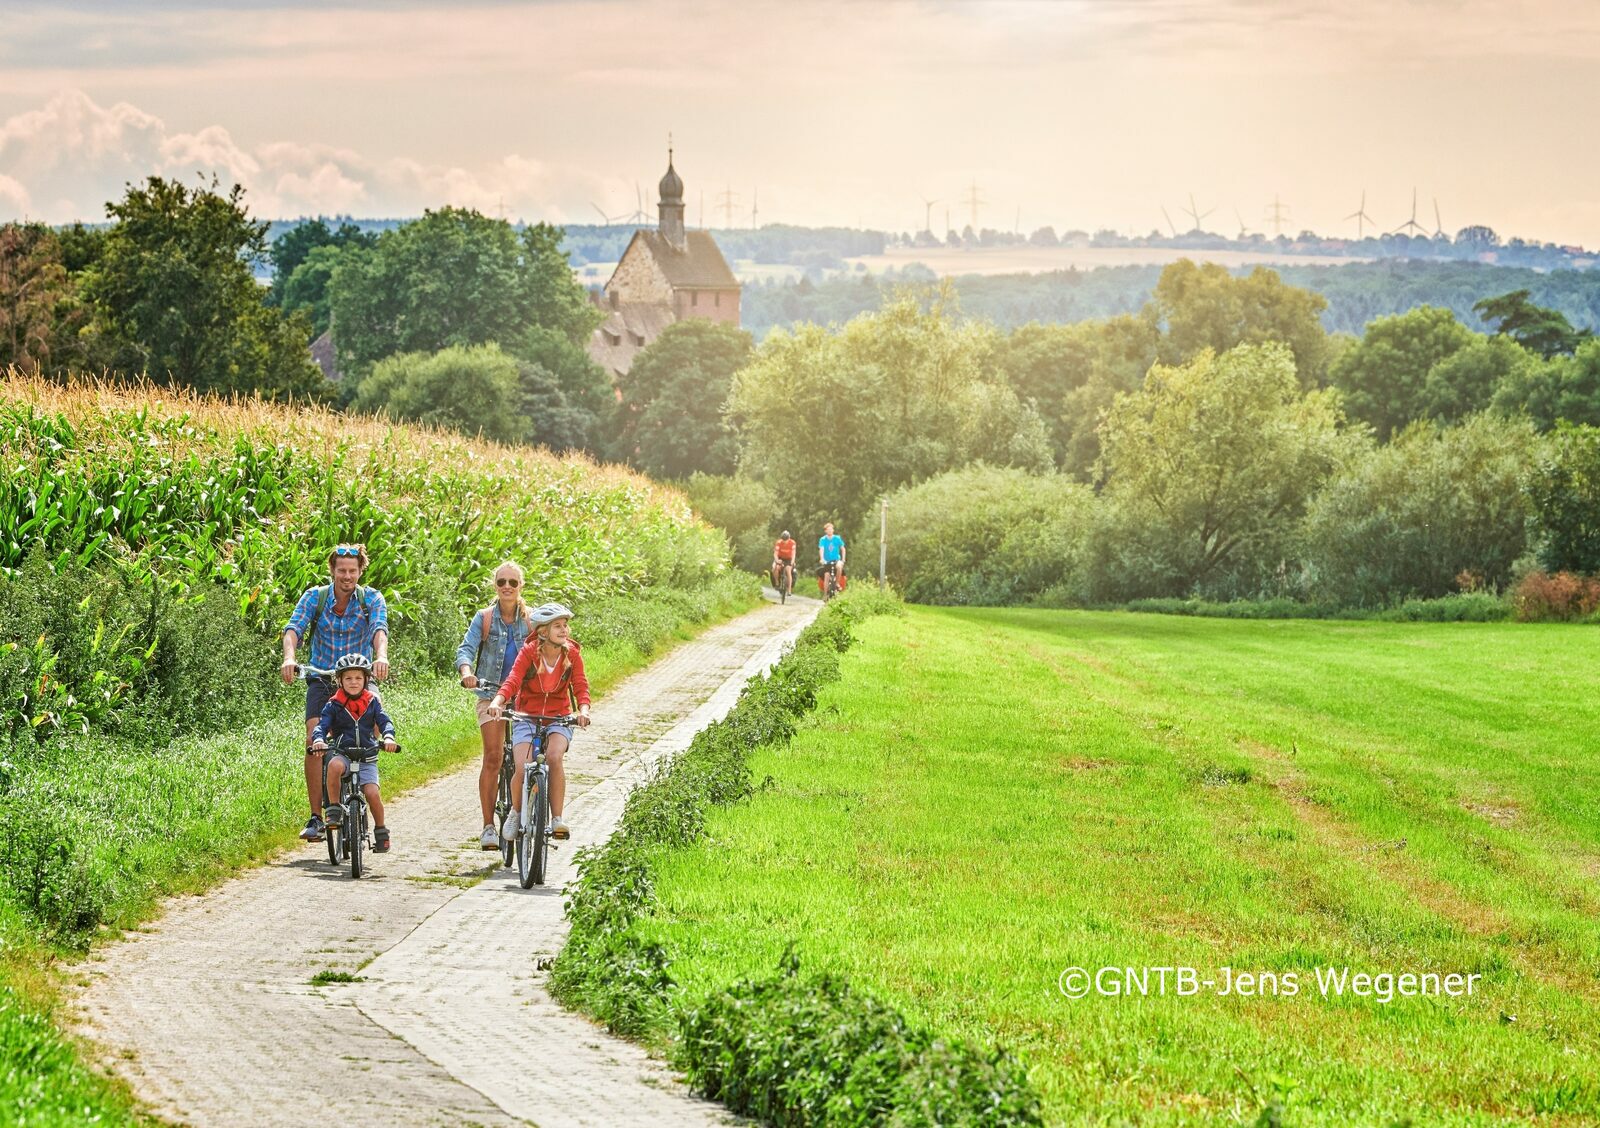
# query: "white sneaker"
[[489, 840], [509, 831], [558, 828]]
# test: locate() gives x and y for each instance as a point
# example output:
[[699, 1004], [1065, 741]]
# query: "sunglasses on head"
[[347, 550], [507, 581]]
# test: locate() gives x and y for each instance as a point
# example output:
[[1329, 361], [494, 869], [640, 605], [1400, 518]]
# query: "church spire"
[[671, 207]]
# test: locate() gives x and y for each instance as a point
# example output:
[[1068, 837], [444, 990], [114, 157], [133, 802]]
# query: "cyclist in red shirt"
[[546, 680], [783, 558]]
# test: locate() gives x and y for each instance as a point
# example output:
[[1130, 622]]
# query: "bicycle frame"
[[533, 833]]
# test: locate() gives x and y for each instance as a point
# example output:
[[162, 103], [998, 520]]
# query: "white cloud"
[[13, 197], [76, 154]]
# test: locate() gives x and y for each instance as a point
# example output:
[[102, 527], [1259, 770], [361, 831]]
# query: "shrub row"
[[1468, 607], [1538, 597], [791, 1049]]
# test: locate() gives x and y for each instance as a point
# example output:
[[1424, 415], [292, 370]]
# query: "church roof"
[[700, 267], [627, 329]]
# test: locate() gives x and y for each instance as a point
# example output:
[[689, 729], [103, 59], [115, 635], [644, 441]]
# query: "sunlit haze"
[[1078, 114]]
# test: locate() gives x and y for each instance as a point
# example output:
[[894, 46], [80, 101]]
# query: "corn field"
[[198, 497]]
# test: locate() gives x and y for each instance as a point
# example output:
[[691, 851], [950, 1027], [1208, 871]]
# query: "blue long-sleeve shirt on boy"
[[353, 721]]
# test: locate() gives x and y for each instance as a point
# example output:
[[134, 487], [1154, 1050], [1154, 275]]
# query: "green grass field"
[[991, 797]]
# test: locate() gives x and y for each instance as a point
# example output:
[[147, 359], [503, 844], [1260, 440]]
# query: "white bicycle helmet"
[[549, 613]]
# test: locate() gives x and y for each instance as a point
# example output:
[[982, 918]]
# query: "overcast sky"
[[1075, 113]]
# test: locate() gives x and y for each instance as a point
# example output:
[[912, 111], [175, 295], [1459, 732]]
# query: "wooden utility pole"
[[883, 545]]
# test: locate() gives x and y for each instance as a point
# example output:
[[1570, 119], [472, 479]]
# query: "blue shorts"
[[319, 691], [367, 770], [522, 732]]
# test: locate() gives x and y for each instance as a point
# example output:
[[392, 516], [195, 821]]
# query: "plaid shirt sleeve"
[[300, 619], [380, 615]]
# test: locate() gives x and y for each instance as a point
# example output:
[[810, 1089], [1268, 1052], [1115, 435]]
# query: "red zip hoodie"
[[529, 689]]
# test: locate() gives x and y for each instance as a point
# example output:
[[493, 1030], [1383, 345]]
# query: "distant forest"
[[1356, 293]]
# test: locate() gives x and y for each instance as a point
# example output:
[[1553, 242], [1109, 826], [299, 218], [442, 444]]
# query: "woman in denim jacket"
[[483, 659]]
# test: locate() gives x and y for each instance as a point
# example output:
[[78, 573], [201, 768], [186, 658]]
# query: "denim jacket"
[[489, 668]]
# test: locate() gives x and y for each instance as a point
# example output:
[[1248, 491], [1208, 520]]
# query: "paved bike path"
[[210, 1015]]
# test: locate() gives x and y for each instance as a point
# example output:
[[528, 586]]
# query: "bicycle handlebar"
[[346, 749], [303, 671], [569, 719]]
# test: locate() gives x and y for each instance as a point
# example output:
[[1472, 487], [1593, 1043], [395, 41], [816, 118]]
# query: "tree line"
[[1356, 293], [1229, 384]]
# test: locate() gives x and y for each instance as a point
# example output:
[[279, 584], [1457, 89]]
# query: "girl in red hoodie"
[[547, 680]]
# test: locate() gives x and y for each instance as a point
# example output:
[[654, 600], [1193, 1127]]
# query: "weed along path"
[[211, 1013]]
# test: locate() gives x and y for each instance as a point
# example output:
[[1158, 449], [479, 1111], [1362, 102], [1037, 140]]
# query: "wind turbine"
[[1361, 217], [1195, 214], [1244, 232], [1168, 218], [927, 215], [1411, 224], [1438, 224]]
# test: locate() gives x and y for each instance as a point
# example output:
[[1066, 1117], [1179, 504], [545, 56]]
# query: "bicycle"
[[533, 830], [352, 830], [502, 799], [306, 673], [786, 584], [830, 583]]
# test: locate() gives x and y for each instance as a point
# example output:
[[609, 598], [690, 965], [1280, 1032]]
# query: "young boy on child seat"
[[354, 717]]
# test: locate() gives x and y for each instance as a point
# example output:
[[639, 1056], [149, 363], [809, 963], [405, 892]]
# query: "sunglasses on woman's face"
[[348, 550], [502, 581]]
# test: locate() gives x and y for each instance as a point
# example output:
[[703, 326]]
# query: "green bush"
[[744, 509], [1436, 509], [1467, 607], [797, 1051], [982, 535]]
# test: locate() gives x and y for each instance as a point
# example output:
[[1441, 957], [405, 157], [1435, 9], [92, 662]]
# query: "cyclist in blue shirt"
[[830, 554], [343, 617]]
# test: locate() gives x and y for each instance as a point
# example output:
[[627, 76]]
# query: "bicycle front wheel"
[[541, 826], [524, 838], [355, 821]]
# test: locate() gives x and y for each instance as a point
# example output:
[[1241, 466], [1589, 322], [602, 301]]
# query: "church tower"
[[671, 208]]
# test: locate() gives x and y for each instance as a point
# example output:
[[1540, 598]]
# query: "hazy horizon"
[[1078, 114]]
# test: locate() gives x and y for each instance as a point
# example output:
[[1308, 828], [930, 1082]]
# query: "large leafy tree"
[[297, 244], [1384, 377], [174, 297], [454, 277], [1418, 515], [1562, 389], [36, 298], [1072, 373], [1206, 307], [1466, 381], [833, 419], [306, 288], [467, 389], [1545, 331], [1564, 491], [670, 420], [565, 396], [1216, 459]]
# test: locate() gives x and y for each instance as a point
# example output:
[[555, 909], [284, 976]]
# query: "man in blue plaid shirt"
[[341, 618]]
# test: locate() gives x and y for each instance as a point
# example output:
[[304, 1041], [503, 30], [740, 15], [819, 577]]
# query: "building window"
[[694, 297], [717, 300]]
